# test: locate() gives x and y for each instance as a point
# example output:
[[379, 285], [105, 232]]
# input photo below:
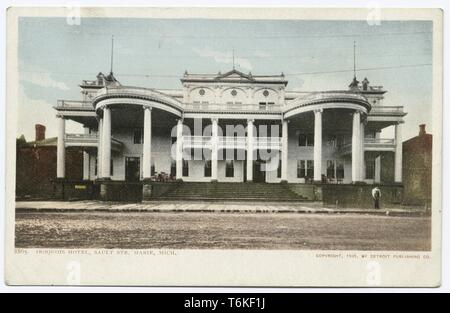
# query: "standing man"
[[376, 194]]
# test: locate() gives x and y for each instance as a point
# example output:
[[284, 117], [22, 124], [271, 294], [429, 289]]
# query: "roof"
[[234, 76], [46, 142], [420, 138]]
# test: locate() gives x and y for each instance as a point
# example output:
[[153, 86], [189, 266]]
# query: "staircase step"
[[232, 191]]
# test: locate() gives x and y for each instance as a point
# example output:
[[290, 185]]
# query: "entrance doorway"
[[132, 169], [259, 173]]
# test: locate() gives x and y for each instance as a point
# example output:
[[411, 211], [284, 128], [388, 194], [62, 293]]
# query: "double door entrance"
[[132, 169], [259, 173]]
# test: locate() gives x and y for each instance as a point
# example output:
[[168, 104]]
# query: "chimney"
[[40, 132], [422, 130]]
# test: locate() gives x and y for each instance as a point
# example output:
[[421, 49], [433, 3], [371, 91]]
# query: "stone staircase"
[[232, 191]]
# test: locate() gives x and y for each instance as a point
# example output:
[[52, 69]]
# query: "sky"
[[54, 57]]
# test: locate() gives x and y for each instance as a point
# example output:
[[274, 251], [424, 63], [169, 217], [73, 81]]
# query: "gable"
[[233, 75]]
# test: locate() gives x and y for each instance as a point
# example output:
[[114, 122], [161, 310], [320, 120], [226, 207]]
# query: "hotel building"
[[231, 127]]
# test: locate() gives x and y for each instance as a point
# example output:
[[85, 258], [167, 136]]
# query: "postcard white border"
[[224, 267]]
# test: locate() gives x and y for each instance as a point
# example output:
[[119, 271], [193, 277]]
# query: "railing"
[[268, 142], [232, 142], [75, 104], [382, 110], [89, 140], [139, 91], [370, 144], [379, 141], [228, 142], [90, 83], [376, 88], [233, 107], [81, 139], [196, 141], [326, 96], [331, 94]]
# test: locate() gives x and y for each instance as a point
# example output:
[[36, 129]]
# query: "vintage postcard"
[[224, 146]]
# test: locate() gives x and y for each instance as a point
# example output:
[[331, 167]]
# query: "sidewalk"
[[203, 206]]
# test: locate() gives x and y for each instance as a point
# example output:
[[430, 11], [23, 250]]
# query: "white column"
[[363, 161], [284, 152], [99, 147], [147, 146], [179, 155], [356, 147], [86, 158], [318, 145], [106, 143], [61, 150], [398, 153], [250, 147], [214, 148]]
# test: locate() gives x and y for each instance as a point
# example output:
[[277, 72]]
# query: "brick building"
[[36, 165], [417, 169]]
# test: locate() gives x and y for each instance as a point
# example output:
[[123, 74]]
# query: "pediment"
[[233, 75]]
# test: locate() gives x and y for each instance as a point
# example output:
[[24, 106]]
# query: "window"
[[340, 140], [264, 106], [173, 168], [185, 168], [339, 170], [370, 168], [305, 168], [310, 168], [331, 169], [111, 167], [266, 93], [306, 140], [137, 136], [229, 168], [301, 169], [96, 166], [152, 169], [201, 92], [279, 169], [302, 140], [310, 140], [207, 168], [332, 141]]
